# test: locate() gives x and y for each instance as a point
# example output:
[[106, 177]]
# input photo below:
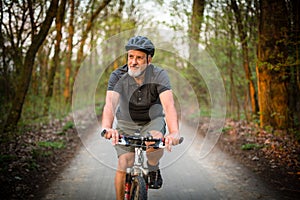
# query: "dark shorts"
[[129, 128]]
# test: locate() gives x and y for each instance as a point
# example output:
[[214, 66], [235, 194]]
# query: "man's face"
[[137, 62]]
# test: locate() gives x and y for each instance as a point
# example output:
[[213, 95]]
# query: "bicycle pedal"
[[155, 187]]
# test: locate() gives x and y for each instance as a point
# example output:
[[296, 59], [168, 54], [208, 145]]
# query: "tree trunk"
[[21, 91], [87, 30], [69, 52], [271, 72], [244, 43], [194, 34], [234, 103], [295, 69], [56, 60], [197, 18], [43, 58]]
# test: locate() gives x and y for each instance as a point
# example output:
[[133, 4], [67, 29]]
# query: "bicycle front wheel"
[[138, 189]]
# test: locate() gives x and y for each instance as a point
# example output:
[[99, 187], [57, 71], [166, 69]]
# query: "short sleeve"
[[163, 81], [115, 79]]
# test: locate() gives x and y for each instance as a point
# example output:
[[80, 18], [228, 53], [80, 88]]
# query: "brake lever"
[[122, 141]]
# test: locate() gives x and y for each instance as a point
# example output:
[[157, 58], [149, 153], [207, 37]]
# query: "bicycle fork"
[[139, 169], [127, 184]]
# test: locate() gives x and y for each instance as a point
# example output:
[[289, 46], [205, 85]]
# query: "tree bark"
[[56, 59], [69, 52], [272, 75], [194, 34], [234, 103], [295, 70], [244, 44], [21, 91], [197, 18]]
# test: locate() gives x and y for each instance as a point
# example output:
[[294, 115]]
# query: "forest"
[[254, 44], [43, 45]]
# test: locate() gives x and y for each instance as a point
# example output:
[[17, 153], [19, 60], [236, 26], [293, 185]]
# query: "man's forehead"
[[136, 52]]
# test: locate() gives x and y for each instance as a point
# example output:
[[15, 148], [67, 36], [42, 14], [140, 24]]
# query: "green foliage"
[[7, 158], [33, 165], [205, 111], [226, 129], [269, 129], [99, 108], [54, 145], [295, 133], [37, 154], [251, 146], [68, 125], [33, 109], [45, 149]]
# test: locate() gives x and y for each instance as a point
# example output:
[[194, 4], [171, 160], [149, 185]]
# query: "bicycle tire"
[[138, 189]]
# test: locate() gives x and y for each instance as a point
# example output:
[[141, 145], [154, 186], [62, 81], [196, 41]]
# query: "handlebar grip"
[[103, 132], [181, 140]]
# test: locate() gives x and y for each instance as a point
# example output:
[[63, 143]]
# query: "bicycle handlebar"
[[139, 141]]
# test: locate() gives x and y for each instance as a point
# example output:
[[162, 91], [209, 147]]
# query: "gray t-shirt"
[[139, 103]]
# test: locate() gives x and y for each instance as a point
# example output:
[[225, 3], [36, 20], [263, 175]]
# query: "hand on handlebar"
[[155, 135], [172, 140], [111, 134]]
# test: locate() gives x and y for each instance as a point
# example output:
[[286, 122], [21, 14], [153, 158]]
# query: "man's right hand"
[[112, 134]]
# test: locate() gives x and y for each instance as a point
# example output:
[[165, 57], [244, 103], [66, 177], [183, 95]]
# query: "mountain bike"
[[137, 180]]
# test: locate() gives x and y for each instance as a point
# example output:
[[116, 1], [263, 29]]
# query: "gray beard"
[[134, 74]]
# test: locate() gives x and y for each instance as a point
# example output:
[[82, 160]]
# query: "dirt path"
[[186, 175]]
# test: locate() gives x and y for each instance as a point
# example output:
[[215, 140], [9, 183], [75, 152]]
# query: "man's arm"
[[111, 103], [168, 104]]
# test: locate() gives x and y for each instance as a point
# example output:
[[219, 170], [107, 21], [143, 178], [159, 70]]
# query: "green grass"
[[225, 129], [68, 125], [251, 146], [54, 145], [6, 158], [45, 149]]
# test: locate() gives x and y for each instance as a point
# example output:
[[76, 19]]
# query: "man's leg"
[[153, 156], [125, 160]]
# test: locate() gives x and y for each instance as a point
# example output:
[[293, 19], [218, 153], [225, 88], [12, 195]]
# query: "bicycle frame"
[[139, 168]]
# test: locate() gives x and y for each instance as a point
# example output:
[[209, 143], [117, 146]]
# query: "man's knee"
[[125, 160], [154, 155]]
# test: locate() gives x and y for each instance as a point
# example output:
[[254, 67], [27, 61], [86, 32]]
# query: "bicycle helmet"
[[141, 43]]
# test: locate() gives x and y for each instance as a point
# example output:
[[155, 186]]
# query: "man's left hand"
[[171, 140]]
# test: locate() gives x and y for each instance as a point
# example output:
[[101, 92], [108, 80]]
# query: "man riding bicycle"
[[139, 98]]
